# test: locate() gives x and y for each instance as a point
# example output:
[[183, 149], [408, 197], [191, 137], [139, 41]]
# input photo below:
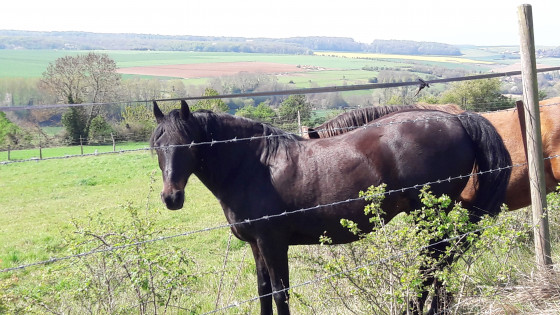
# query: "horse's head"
[[177, 160]]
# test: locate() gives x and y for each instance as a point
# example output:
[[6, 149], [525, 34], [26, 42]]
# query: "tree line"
[[292, 45]]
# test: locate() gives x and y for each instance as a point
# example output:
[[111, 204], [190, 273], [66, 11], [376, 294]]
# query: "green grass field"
[[45, 205], [40, 201], [32, 63], [48, 153]]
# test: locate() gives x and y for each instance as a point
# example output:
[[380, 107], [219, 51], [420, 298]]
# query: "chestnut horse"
[[506, 123], [277, 189]]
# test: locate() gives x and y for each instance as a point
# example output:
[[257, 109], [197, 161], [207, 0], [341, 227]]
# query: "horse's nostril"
[[181, 194], [173, 200]]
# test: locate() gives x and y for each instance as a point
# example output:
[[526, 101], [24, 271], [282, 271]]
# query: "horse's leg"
[[441, 301], [263, 281], [275, 255]]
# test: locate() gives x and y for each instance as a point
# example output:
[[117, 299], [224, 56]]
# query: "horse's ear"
[[157, 112], [185, 111], [312, 133]]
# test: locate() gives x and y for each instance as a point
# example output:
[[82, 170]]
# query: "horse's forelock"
[[173, 125]]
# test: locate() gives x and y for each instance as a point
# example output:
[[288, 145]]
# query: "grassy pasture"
[[71, 150], [32, 63], [40, 200]]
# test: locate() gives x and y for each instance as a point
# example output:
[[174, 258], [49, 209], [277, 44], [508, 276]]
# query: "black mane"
[[356, 118], [220, 127]]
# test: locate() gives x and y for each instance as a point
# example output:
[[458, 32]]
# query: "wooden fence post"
[[300, 132], [113, 138], [534, 141], [9, 147], [81, 145]]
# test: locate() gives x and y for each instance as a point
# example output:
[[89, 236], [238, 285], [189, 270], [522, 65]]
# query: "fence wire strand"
[[235, 139], [249, 221], [285, 213], [347, 271], [329, 89]]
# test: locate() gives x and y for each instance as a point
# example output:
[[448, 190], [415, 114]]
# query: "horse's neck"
[[231, 128], [233, 148]]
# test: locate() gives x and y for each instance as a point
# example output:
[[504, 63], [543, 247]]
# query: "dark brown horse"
[[506, 123], [258, 171]]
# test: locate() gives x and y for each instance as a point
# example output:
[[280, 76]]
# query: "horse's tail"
[[493, 163]]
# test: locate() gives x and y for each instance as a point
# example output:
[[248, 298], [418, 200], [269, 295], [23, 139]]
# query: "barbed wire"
[[235, 139], [317, 90], [268, 217], [347, 271], [249, 221]]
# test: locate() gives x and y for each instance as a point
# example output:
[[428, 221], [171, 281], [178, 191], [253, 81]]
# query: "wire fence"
[[319, 279], [125, 139], [267, 217], [349, 270], [263, 218], [317, 90]]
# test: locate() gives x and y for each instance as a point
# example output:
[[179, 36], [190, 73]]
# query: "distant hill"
[[408, 47], [10, 39], [554, 53]]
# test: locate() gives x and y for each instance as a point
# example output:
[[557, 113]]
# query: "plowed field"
[[205, 70]]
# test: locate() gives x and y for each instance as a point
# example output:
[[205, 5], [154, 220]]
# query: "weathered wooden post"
[[82, 145], [300, 131], [534, 141], [113, 139]]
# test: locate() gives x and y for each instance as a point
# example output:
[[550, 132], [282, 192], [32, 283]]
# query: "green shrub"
[[99, 129], [10, 133], [141, 277], [380, 274], [74, 122]]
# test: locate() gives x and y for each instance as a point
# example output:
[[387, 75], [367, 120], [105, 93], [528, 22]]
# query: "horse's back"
[[404, 149]]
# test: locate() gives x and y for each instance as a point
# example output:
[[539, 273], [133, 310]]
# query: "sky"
[[476, 22]]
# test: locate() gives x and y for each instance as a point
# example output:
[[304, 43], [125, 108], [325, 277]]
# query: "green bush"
[[140, 277], [99, 129], [381, 273], [74, 122], [10, 133]]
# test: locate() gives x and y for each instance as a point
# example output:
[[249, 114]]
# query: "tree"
[[74, 123], [9, 132], [82, 78], [292, 105], [478, 95], [176, 88], [19, 91], [263, 112], [99, 128], [216, 104]]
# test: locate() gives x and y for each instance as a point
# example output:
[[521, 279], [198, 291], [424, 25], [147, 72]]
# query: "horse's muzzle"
[[173, 200]]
